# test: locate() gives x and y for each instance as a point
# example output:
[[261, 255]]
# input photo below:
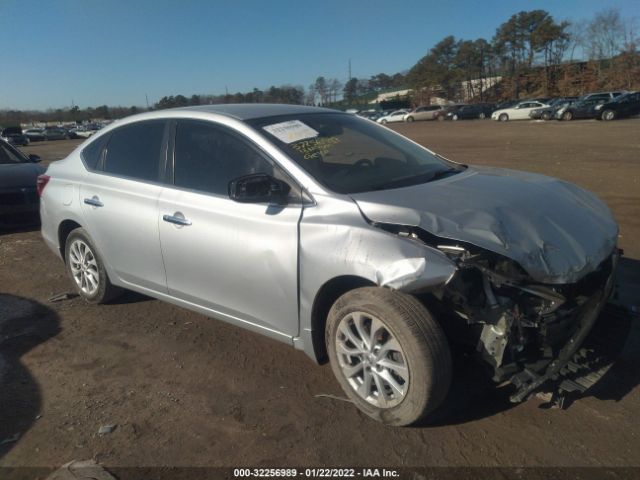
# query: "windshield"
[[350, 155]]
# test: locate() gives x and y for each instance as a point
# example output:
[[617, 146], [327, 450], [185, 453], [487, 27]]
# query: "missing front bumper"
[[571, 359]]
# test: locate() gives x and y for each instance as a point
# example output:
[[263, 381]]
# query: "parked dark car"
[[468, 112], [371, 114], [19, 201], [581, 109], [14, 136], [602, 95], [442, 113], [625, 105], [35, 134], [547, 113], [56, 133]]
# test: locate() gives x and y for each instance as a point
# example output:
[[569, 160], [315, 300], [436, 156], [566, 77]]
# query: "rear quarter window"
[[92, 153], [134, 151]]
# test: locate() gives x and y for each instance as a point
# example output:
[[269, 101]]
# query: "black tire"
[[454, 118], [410, 119], [608, 115], [567, 116], [546, 116], [425, 350], [383, 122], [482, 116], [503, 117], [105, 291], [440, 118]]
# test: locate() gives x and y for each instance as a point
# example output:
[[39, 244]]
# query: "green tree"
[[350, 90], [321, 89]]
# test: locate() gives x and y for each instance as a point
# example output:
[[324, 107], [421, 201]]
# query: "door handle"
[[177, 219], [94, 201]]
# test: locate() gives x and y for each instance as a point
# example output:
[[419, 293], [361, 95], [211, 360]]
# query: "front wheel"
[[482, 116], [546, 116], [454, 118], [86, 269], [567, 116], [608, 115], [383, 122], [503, 117], [389, 355], [410, 119]]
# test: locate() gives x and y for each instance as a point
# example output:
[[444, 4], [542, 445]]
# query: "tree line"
[[530, 52], [533, 53]]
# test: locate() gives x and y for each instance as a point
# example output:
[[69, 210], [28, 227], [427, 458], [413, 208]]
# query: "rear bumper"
[[18, 201]]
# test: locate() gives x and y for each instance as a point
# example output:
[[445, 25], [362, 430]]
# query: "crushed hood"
[[553, 229]]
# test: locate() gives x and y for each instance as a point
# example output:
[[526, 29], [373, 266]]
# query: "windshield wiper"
[[415, 179]]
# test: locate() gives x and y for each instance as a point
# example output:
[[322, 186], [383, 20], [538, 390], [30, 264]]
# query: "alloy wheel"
[[372, 360], [84, 267]]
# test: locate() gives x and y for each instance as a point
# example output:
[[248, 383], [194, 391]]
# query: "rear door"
[[119, 198], [631, 105], [237, 260]]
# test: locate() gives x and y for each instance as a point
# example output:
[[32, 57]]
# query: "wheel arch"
[[64, 229], [322, 303]]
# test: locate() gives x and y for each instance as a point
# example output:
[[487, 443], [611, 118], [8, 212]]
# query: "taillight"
[[41, 183]]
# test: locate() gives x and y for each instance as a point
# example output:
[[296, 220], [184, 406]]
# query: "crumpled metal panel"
[[556, 231], [335, 240]]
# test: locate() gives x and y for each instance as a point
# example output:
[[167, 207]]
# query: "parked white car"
[[397, 116], [518, 112]]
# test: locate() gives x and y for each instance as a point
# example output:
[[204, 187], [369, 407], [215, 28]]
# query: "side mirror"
[[35, 158], [258, 188]]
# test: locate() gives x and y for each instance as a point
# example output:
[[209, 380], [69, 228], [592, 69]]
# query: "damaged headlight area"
[[523, 330]]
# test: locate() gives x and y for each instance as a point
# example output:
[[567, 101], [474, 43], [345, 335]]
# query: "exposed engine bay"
[[523, 330]]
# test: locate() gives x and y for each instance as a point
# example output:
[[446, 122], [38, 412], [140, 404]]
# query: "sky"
[[89, 52]]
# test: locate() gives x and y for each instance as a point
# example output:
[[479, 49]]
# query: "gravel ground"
[[185, 390]]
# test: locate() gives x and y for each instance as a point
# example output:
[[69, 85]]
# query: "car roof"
[[248, 111]]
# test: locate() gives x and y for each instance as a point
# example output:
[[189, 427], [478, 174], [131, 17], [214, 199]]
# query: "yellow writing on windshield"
[[315, 147]]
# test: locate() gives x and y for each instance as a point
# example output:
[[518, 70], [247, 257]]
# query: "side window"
[[134, 150], [92, 153], [207, 158]]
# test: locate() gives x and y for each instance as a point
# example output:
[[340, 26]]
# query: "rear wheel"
[[608, 115], [567, 116], [546, 116], [503, 117], [86, 269], [454, 118], [388, 354], [482, 116]]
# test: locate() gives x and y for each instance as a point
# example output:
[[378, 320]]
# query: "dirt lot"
[[185, 390]]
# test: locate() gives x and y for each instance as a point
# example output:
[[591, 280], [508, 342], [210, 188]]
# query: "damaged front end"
[[525, 331]]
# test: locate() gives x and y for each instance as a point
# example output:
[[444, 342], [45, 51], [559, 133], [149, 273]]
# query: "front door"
[[237, 260]]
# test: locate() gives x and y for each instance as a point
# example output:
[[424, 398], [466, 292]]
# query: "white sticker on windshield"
[[291, 131]]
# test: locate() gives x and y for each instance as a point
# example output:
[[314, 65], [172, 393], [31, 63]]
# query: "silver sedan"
[[341, 238]]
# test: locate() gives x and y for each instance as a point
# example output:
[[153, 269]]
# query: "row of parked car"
[[600, 105], [17, 136]]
